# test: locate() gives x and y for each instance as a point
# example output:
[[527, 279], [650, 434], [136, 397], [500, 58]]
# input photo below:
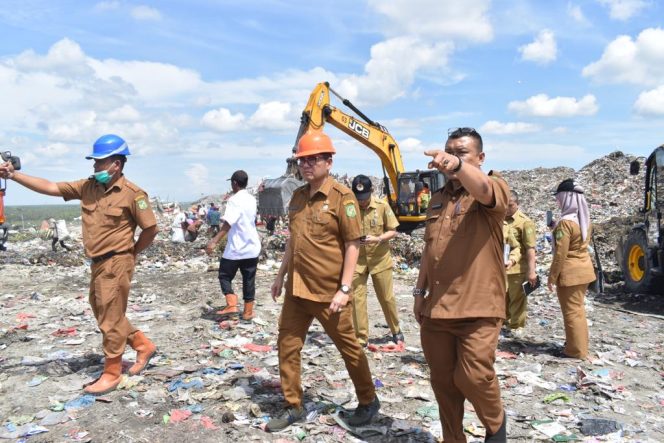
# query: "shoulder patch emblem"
[[350, 209], [559, 234], [141, 203], [529, 230]]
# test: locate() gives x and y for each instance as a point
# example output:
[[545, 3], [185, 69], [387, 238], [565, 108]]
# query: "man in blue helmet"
[[111, 208]]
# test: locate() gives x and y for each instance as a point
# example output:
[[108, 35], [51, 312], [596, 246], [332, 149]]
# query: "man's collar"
[[119, 183], [325, 187]]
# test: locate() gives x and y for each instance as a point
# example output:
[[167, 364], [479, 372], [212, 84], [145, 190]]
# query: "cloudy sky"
[[201, 88]]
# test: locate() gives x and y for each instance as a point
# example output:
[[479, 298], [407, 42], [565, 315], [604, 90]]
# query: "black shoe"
[[396, 338], [364, 413], [501, 434], [290, 416]]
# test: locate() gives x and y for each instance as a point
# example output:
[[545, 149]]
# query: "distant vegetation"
[[32, 215]]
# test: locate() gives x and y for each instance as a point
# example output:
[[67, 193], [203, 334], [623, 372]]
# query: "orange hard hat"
[[314, 142]]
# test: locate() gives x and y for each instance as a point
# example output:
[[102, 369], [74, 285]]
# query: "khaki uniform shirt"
[[375, 220], [512, 243], [109, 216], [571, 264], [463, 254], [526, 235], [319, 228]]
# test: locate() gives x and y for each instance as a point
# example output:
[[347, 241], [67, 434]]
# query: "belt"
[[106, 256]]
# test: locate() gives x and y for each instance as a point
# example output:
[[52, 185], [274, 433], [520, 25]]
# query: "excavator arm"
[[371, 134]]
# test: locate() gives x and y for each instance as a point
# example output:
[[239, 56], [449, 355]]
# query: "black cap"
[[240, 177], [567, 186], [362, 187]]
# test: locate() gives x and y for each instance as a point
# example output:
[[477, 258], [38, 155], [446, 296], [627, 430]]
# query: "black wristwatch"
[[417, 292], [345, 289]]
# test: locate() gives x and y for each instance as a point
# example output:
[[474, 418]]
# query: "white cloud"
[[145, 13], [64, 57], [53, 150], [198, 175], [624, 60], [392, 69], [438, 19], [623, 9], [541, 105], [125, 113], [650, 102], [411, 144], [541, 51], [576, 13], [222, 120], [496, 127], [274, 115]]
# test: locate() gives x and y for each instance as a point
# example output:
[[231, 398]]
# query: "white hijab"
[[575, 208]]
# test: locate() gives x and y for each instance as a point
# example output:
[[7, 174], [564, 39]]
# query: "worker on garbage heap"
[[242, 247], [463, 272], [378, 225], [572, 269], [521, 271], [320, 258], [112, 208]]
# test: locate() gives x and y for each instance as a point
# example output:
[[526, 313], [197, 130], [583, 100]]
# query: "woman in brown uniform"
[[571, 269]]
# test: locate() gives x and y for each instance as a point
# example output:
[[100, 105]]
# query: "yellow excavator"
[[640, 253], [401, 187]]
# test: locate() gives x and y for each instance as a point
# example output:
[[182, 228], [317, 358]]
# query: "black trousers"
[[228, 269]]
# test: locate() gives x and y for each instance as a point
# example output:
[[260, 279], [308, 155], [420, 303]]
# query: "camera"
[[14, 160]]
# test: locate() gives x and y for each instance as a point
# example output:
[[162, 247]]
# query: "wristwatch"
[[417, 292], [345, 289]]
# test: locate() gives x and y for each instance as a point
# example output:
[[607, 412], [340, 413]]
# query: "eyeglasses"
[[460, 132], [310, 160]]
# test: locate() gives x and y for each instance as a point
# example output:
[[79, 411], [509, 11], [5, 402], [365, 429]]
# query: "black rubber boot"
[[501, 435]]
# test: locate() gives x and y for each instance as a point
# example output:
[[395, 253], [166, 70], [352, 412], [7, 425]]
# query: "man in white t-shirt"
[[177, 235], [242, 248]]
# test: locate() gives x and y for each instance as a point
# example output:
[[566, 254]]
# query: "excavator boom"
[[376, 137]]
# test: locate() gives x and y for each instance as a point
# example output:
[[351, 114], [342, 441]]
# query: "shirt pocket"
[[462, 221], [430, 230], [112, 216], [376, 226], [88, 213], [321, 224]]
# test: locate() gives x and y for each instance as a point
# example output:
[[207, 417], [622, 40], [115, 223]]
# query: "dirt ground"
[[50, 346]]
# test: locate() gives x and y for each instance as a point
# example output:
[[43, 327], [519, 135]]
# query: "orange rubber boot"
[[248, 313], [231, 305], [145, 350], [109, 379]]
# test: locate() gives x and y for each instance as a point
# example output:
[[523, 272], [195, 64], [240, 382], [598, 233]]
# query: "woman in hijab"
[[572, 270]]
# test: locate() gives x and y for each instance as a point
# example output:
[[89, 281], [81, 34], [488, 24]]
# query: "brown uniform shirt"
[[376, 219], [109, 216], [524, 230], [319, 228], [464, 254], [571, 264]]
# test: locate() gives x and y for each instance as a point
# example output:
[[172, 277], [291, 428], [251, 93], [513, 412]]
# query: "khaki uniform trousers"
[[109, 291], [383, 285], [297, 315], [517, 302], [461, 354], [571, 300]]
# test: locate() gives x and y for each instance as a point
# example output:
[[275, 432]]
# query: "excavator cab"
[[640, 253], [414, 194]]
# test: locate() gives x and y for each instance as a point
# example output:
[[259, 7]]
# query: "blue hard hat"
[[108, 145]]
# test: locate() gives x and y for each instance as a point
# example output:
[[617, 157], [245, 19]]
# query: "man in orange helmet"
[[320, 259]]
